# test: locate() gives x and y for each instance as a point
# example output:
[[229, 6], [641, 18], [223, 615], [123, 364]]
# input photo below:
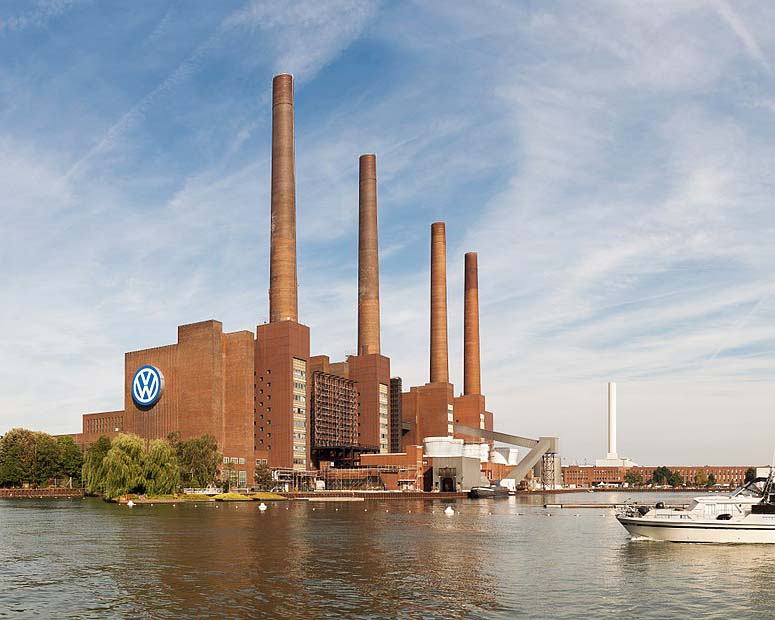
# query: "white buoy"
[[262, 506], [130, 504], [449, 510]]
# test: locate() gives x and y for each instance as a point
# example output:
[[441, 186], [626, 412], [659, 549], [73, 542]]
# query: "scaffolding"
[[333, 411], [549, 471], [395, 414]]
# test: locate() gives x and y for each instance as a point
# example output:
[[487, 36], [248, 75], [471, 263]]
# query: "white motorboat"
[[745, 516]]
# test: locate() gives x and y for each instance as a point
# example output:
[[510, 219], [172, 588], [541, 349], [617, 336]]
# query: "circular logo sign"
[[147, 386]]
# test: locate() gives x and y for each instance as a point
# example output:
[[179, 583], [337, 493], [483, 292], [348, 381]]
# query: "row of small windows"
[[236, 460]]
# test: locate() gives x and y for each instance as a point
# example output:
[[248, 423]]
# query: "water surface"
[[382, 559]]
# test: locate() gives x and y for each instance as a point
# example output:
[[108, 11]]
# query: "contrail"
[[138, 111]]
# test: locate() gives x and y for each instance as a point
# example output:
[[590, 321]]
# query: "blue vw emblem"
[[147, 386]]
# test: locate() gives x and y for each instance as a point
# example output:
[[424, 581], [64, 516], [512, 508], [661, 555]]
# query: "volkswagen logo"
[[147, 386]]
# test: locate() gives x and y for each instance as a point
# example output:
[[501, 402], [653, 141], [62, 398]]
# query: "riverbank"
[[41, 493]]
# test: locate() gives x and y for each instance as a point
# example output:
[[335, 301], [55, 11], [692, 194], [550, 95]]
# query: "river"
[[375, 559]]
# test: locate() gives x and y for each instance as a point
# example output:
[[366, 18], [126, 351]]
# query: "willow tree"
[[93, 470], [124, 466], [161, 470]]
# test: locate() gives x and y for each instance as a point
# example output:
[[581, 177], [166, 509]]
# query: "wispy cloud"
[[611, 163]]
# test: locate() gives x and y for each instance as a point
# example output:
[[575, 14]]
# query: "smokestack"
[[471, 368], [368, 257], [612, 421], [439, 352], [283, 302]]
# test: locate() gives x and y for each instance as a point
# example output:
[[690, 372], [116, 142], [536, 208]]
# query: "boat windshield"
[[755, 488]]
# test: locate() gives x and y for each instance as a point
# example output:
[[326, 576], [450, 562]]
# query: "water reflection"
[[492, 559]]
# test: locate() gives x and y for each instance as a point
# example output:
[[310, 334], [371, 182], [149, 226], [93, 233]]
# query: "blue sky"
[[611, 162]]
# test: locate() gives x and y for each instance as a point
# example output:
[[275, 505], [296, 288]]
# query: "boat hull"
[[719, 532]]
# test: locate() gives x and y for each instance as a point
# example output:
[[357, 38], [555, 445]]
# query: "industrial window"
[[260, 461], [235, 460], [241, 460], [243, 478], [225, 459]]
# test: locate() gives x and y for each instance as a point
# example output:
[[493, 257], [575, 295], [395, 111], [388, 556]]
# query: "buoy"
[[449, 510], [262, 506], [130, 503]]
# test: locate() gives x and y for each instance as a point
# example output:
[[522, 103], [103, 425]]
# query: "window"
[[234, 460], [241, 460], [225, 459], [260, 462], [243, 478]]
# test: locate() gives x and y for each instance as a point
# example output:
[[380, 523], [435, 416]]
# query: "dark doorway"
[[448, 485]]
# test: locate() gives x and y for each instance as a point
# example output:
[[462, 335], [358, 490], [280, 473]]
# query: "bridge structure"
[[543, 452]]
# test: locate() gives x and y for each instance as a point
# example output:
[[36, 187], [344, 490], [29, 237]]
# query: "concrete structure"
[[612, 459]]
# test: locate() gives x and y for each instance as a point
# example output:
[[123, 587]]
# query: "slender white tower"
[[612, 421]]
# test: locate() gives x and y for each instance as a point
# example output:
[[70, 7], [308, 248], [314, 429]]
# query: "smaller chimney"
[[471, 363], [612, 421], [439, 345]]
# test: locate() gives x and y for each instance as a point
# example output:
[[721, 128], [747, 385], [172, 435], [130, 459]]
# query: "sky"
[[611, 162]]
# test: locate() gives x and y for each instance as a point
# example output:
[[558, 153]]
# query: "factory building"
[[262, 395]]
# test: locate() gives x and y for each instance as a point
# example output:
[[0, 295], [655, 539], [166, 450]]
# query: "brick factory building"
[[590, 475], [261, 394]]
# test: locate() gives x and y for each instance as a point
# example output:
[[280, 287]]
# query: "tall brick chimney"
[[471, 363], [439, 350], [368, 257], [283, 301]]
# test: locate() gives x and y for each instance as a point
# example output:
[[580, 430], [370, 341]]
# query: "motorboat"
[[745, 516], [483, 492]]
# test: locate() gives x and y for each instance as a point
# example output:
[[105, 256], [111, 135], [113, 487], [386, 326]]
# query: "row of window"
[[234, 459]]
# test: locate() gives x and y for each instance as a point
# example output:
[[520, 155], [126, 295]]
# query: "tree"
[[711, 480], [701, 478], [161, 471], [263, 478], [633, 478], [198, 459], [70, 459], [93, 470], [661, 475], [750, 474], [675, 479], [124, 466], [46, 458], [17, 457]]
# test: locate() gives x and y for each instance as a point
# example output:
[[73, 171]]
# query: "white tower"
[[612, 421]]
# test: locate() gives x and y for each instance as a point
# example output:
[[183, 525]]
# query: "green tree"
[[70, 459], [675, 479], [17, 457], [93, 470], [711, 480], [633, 478], [161, 472], [661, 475], [263, 477], [701, 478], [199, 460], [750, 474], [46, 459], [124, 466]]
